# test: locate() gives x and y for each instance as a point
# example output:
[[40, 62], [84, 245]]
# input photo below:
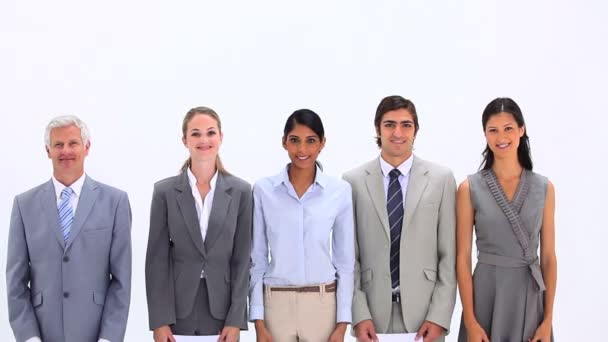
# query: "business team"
[[383, 249]]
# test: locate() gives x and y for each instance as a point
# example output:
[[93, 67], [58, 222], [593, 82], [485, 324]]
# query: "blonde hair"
[[189, 116]]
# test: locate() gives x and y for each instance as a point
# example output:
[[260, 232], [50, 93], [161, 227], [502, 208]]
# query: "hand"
[[262, 334], [429, 331], [230, 334], [163, 334], [543, 333], [365, 331], [338, 334], [476, 333]]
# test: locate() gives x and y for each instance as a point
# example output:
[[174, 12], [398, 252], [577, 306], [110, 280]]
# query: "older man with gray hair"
[[68, 268]]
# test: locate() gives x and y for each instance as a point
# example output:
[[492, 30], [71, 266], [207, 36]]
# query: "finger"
[[421, 332]]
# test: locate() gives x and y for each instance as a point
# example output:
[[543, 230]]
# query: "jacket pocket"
[[431, 275], [99, 297], [37, 299]]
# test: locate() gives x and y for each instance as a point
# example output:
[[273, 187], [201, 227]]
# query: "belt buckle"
[[396, 297]]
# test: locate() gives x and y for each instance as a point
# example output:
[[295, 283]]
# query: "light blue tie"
[[66, 215]]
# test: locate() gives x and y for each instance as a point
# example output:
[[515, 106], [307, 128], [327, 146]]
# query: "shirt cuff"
[[256, 312], [103, 340], [344, 316], [34, 339]]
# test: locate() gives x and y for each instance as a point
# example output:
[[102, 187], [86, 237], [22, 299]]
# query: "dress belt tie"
[[505, 261]]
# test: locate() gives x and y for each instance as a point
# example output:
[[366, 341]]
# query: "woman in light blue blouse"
[[303, 223]]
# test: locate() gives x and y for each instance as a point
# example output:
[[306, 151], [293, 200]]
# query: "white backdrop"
[[132, 69]]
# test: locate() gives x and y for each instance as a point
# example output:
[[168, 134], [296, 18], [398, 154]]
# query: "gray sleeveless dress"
[[507, 284]]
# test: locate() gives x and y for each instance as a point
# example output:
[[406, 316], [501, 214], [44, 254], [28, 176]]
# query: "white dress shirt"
[[404, 179], [203, 206], [77, 188]]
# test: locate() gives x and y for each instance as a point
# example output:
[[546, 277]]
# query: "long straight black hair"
[[506, 105]]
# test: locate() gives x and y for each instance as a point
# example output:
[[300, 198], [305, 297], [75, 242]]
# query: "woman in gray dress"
[[510, 296]]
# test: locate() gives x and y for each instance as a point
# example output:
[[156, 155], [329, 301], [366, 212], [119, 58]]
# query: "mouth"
[[302, 157], [204, 147], [503, 146], [398, 141]]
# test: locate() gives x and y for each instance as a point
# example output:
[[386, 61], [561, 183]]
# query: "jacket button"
[[66, 258], [197, 333], [66, 294]]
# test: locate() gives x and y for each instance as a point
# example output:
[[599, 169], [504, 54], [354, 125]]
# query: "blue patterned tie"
[[394, 206], [66, 215]]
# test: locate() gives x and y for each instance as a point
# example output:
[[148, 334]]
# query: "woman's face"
[[502, 134], [203, 138], [303, 146]]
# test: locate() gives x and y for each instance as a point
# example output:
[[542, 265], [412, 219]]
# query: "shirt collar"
[[283, 177], [76, 186], [404, 168], [192, 180]]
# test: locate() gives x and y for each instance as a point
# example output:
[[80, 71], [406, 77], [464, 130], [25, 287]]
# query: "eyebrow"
[[505, 125], [394, 121], [297, 136]]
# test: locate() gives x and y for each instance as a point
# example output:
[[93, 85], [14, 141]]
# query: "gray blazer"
[[427, 259], [176, 253], [77, 291]]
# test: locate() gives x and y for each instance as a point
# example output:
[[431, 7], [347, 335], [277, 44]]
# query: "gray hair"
[[65, 121]]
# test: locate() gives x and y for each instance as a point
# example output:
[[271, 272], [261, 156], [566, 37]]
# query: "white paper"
[[212, 338], [397, 338]]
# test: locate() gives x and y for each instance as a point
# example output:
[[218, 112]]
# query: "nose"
[[398, 131]]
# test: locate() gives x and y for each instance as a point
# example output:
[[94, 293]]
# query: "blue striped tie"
[[394, 206], [66, 215]]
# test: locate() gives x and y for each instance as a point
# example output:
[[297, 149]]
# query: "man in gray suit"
[[68, 268], [405, 227]]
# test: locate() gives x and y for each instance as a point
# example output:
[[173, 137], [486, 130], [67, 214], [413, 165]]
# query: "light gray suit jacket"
[[176, 253], [427, 258], [77, 291]]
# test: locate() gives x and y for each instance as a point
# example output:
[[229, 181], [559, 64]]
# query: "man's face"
[[397, 133], [67, 151]]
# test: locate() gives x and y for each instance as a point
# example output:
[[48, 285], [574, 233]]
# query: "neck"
[[395, 161], [68, 179], [203, 170], [299, 176], [507, 168]]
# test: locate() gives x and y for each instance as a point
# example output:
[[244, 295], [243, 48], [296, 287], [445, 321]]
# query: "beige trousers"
[[300, 316]]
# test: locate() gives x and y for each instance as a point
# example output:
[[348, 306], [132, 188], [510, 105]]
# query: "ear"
[[283, 142], [48, 151], [184, 141], [87, 147], [221, 137], [522, 130], [322, 144]]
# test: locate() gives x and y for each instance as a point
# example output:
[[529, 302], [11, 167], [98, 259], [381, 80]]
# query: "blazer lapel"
[[48, 203], [375, 186], [186, 204], [88, 195], [221, 204], [415, 188]]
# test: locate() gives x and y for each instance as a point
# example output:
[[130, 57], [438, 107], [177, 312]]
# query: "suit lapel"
[[375, 187], [48, 203], [88, 195], [221, 203], [415, 188], [186, 204]]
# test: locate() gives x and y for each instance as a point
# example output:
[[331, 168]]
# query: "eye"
[[211, 133], [389, 124], [311, 140], [195, 134], [407, 125], [491, 130], [58, 145], [509, 128], [294, 140]]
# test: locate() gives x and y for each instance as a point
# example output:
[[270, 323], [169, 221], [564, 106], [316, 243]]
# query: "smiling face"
[[503, 134], [67, 152], [397, 133], [303, 146], [202, 138]]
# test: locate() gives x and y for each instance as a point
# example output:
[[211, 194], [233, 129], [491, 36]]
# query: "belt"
[[397, 297], [316, 288], [505, 261]]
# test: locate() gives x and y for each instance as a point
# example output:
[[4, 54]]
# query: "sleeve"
[[240, 263], [259, 258], [20, 310], [160, 289], [444, 294], [118, 295], [343, 256]]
